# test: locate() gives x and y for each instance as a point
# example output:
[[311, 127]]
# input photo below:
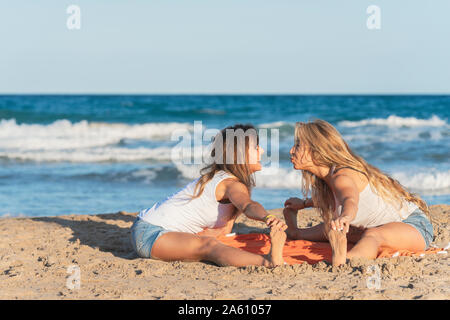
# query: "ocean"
[[86, 154]]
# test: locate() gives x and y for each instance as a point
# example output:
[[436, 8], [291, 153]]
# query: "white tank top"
[[373, 211], [181, 213]]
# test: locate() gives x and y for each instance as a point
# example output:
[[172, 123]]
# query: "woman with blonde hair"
[[185, 225], [357, 201]]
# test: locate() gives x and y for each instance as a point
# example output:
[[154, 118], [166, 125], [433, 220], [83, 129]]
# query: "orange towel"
[[299, 251]]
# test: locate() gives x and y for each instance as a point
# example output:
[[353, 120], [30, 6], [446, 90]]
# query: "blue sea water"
[[89, 154]]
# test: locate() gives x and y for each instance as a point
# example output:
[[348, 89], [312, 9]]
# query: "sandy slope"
[[35, 254]]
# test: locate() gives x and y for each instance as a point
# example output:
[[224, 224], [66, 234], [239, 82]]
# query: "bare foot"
[[290, 216], [338, 241], [277, 239]]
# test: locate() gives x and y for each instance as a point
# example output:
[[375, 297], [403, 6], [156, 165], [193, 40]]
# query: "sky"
[[225, 47]]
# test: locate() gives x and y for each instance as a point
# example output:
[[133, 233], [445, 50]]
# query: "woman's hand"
[[294, 204], [341, 224], [272, 221]]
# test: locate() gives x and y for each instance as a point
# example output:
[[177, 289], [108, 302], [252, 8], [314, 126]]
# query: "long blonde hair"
[[328, 149], [237, 149]]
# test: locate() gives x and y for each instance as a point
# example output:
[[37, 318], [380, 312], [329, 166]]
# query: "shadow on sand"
[[101, 231], [98, 232]]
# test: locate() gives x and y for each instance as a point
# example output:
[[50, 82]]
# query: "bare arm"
[[298, 204], [347, 195], [239, 196]]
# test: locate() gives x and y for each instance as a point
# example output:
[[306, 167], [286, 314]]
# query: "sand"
[[35, 254]]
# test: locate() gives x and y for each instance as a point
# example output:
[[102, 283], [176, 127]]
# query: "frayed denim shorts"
[[143, 237], [420, 221]]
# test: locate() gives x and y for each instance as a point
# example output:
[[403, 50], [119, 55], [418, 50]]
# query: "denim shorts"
[[143, 236], [420, 221]]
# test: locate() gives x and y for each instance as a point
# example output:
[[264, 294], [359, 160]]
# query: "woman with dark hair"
[[184, 226]]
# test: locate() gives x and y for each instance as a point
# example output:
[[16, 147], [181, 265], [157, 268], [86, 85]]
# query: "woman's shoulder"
[[221, 179], [348, 175], [227, 182]]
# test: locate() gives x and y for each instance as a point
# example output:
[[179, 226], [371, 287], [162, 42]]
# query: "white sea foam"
[[63, 134], [189, 171], [267, 178], [282, 178], [102, 154], [432, 180], [391, 121], [110, 154], [395, 121], [278, 178]]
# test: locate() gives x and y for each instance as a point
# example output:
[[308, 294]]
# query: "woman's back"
[[182, 213], [373, 210]]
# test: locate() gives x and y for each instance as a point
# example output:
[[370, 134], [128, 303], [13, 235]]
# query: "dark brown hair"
[[237, 149]]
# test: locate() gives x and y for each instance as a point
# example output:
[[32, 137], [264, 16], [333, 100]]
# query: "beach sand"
[[35, 254]]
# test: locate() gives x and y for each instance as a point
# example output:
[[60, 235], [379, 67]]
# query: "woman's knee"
[[207, 245], [182, 247], [374, 234]]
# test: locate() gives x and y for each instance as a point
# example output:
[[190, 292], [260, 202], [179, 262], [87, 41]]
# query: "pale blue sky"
[[227, 46]]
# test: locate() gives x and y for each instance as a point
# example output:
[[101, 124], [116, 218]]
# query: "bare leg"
[[315, 233], [277, 239], [395, 235], [173, 246], [338, 242], [290, 217]]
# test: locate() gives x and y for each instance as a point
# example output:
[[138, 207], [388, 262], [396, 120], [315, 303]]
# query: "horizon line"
[[221, 94]]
